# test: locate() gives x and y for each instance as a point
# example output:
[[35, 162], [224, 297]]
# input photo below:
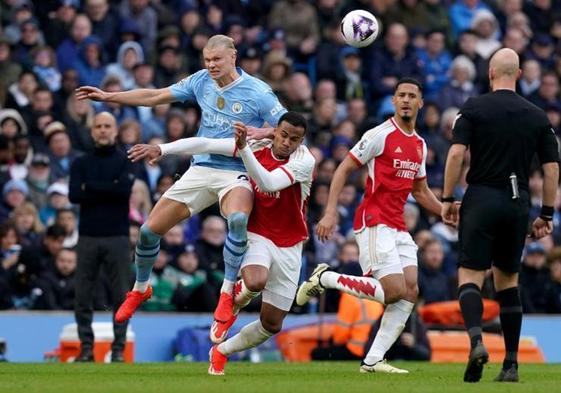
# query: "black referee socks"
[[472, 309], [511, 322]]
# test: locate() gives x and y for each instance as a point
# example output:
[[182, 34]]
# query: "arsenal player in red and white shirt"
[[395, 157], [281, 174]]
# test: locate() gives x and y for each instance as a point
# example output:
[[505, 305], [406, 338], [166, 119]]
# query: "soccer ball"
[[359, 28]]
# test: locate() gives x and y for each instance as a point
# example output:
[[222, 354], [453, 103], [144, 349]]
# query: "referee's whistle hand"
[[450, 214], [541, 228]]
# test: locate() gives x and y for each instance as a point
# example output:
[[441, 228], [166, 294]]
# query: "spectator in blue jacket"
[[435, 61]]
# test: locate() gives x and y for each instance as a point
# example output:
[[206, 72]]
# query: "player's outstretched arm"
[[326, 225], [195, 145], [137, 97], [267, 181]]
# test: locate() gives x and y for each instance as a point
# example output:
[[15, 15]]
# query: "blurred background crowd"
[[50, 47]]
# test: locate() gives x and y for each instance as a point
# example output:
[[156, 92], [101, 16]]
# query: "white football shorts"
[[284, 265], [202, 186], [384, 250]]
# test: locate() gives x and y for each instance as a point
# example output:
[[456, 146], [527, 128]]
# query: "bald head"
[[505, 63], [104, 129]]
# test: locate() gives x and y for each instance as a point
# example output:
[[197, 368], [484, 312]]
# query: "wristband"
[[449, 199], [546, 213]]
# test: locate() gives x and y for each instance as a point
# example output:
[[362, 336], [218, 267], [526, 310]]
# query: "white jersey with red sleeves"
[[395, 159], [281, 216]]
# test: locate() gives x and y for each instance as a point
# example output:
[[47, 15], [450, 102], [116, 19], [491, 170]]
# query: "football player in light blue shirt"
[[226, 95]]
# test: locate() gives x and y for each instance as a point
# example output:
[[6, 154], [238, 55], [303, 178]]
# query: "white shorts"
[[202, 186], [384, 250], [284, 265]]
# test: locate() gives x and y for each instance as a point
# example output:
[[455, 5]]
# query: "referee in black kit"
[[503, 132]]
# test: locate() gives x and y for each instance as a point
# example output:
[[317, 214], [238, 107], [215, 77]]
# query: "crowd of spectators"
[[50, 47]]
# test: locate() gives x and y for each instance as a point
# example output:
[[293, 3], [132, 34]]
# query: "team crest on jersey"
[[220, 102], [237, 107], [420, 152]]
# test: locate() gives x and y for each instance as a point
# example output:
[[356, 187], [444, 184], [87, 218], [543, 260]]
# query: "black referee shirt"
[[503, 132]]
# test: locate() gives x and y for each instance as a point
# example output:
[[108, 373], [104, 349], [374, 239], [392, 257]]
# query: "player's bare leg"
[[471, 304], [236, 206], [508, 296], [166, 214], [251, 335], [393, 321]]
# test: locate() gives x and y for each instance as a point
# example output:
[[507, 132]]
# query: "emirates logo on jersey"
[[406, 169]]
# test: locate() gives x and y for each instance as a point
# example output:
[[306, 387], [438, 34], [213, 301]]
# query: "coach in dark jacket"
[[101, 183]]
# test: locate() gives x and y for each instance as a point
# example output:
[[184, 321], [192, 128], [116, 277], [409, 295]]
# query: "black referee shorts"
[[493, 228]]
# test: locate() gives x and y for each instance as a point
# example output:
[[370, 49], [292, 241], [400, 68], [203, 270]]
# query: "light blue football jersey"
[[247, 100]]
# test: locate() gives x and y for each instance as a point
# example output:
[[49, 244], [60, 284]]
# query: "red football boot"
[[132, 302], [217, 361], [219, 330], [225, 308]]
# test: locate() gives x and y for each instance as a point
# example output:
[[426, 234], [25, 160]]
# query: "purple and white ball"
[[359, 28]]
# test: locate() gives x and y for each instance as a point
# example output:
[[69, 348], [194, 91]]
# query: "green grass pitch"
[[324, 377]]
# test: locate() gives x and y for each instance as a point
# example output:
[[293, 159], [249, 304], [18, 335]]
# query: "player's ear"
[[421, 102]]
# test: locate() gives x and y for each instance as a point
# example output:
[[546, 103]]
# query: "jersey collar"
[[414, 133], [232, 84]]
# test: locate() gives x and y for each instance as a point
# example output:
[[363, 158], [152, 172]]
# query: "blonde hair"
[[220, 40], [145, 203], [29, 208]]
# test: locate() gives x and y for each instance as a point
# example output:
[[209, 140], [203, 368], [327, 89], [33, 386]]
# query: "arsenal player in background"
[[395, 156]]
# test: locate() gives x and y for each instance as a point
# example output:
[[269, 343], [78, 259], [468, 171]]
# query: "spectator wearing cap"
[[14, 194], [392, 61], [169, 67], [486, 26], [22, 10], [542, 49], [90, 62], [37, 179], [146, 19], [535, 282], [435, 62], [105, 23], [60, 21], [68, 51], [9, 69], [121, 112], [31, 38], [193, 292], [276, 71], [60, 150], [130, 54], [350, 84], [57, 198], [11, 124], [548, 92], [250, 61], [299, 20], [101, 183]]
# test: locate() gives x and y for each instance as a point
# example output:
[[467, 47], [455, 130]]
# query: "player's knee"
[[412, 292], [237, 222], [272, 325], [254, 283], [146, 236], [394, 291]]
